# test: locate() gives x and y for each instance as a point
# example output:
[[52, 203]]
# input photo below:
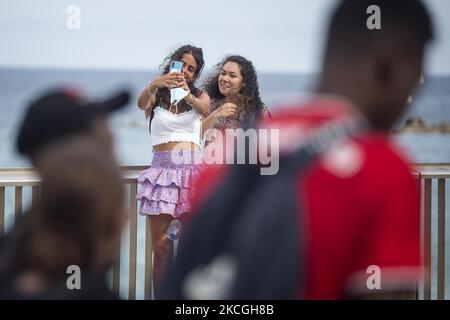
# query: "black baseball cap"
[[60, 113]]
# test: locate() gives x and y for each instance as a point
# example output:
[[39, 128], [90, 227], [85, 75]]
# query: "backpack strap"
[[322, 140]]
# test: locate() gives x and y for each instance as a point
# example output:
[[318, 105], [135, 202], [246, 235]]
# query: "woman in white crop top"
[[176, 135]]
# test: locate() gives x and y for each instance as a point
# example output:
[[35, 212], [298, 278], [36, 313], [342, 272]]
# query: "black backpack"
[[247, 239]]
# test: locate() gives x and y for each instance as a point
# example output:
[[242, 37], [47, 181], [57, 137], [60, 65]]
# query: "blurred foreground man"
[[360, 223]]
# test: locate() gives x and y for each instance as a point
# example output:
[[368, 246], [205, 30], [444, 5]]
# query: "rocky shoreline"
[[418, 125]]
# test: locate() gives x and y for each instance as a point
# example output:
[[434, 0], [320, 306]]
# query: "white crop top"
[[170, 127]]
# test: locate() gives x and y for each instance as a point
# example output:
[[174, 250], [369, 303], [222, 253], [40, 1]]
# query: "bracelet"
[[192, 101], [148, 90]]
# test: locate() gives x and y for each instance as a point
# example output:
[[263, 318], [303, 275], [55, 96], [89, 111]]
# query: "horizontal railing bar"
[[30, 169], [30, 178], [140, 168], [13, 177], [435, 174]]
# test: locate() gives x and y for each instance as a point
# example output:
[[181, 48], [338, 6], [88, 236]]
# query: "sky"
[[283, 36]]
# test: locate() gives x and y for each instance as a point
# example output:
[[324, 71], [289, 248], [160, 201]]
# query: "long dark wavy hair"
[[163, 94], [252, 106]]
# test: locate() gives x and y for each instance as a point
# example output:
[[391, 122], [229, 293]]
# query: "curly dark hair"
[[163, 94], [249, 93]]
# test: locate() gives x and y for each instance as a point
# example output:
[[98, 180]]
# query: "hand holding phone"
[[176, 66], [177, 94], [172, 79]]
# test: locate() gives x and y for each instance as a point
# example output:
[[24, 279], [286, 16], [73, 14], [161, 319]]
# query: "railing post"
[[133, 242], [18, 204], [2, 210], [427, 240], [148, 261], [418, 177], [441, 241]]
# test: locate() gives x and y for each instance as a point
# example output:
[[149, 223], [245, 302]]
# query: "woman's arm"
[[147, 98], [226, 110], [201, 103], [209, 121]]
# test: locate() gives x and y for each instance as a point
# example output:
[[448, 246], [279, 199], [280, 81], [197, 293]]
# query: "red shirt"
[[360, 208]]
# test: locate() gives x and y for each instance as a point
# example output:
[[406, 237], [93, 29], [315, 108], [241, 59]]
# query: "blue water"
[[18, 87]]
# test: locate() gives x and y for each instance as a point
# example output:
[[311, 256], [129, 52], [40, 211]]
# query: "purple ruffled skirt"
[[165, 187]]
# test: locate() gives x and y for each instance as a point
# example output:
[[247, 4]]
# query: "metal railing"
[[429, 174], [433, 203]]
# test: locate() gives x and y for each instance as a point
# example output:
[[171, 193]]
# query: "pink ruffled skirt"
[[165, 187]]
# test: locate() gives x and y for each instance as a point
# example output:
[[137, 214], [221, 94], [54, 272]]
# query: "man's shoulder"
[[371, 150], [370, 156]]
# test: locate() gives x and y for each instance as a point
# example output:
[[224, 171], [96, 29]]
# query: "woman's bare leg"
[[162, 248]]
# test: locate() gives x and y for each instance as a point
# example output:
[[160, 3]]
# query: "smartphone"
[[176, 66]]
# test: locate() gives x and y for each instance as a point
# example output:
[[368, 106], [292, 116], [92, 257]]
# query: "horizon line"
[[85, 68], [117, 69]]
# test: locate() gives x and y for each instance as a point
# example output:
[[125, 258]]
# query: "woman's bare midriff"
[[169, 146]]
